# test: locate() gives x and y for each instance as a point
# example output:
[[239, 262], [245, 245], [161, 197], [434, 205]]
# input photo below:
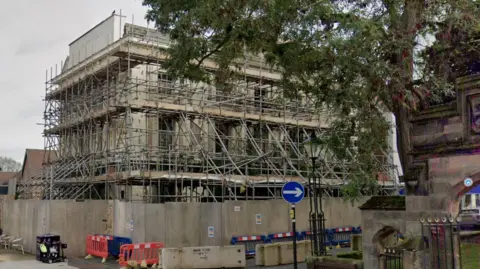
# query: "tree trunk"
[[403, 137], [411, 19]]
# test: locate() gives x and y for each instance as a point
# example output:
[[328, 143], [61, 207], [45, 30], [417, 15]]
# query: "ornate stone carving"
[[474, 113], [416, 179]]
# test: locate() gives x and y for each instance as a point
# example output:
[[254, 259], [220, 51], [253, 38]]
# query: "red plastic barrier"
[[147, 252], [97, 246], [108, 237]]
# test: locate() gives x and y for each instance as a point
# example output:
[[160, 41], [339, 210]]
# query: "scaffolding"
[[120, 128]]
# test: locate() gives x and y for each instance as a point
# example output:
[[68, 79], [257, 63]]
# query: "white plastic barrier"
[[203, 257]]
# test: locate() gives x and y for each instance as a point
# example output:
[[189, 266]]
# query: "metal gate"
[[441, 237], [392, 259]]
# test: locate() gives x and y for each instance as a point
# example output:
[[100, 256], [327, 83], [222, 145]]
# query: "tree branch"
[[226, 38], [215, 50]]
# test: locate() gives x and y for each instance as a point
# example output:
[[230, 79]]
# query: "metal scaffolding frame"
[[121, 129]]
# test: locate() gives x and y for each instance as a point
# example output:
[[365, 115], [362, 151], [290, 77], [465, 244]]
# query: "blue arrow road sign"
[[293, 192]]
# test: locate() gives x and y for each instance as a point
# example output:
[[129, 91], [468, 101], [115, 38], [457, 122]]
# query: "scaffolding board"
[[120, 128]]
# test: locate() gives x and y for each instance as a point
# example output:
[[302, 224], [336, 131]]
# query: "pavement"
[[95, 263], [14, 260], [111, 264]]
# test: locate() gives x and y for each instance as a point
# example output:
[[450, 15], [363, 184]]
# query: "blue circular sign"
[[293, 192], [468, 182]]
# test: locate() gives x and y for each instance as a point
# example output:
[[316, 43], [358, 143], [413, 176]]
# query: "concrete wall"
[[69, 219], [2, 199], [186, 224], [175, 224], [95, 39]]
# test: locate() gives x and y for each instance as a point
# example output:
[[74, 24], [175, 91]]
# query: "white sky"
[[34, 36]]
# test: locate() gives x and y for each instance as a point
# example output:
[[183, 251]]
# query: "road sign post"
[[292, 193], [294, 228]]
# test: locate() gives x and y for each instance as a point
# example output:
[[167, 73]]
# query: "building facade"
[[122, 129]]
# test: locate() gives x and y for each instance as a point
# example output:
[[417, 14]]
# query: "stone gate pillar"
[[446, 150]]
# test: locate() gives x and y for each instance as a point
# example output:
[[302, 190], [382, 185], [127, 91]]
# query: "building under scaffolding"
[[122, 129]]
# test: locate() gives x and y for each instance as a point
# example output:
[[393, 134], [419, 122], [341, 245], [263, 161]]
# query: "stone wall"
[[376, 222], [445, 141], [382, 217]]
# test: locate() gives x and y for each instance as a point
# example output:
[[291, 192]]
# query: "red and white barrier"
[[96, 246], [344, 229], [140, 254]]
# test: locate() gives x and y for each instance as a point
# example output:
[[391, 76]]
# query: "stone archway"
[[382, 216], [387, 237], [445, 142], [442, 179], [459, 189]]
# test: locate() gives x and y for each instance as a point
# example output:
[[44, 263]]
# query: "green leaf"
[[350, 55]]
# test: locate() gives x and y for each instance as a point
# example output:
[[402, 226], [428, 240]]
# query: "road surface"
[[15, 260], [81, 263], [33, 264]]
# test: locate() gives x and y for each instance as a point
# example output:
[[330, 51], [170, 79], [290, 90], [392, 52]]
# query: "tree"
[[9, 165], [353, 56]]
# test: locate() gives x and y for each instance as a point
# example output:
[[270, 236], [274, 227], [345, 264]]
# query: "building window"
[[260, 96], [166, 133], [166, 84], [223, 130], [223, 91], [3, 190], [260, 133], [468, 200]]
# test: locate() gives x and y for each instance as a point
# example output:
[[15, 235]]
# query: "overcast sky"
[[34, 35]]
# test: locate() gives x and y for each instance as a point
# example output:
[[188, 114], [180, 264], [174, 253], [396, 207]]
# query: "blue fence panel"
[[250, 242], [342, 236], [333, 237], [336, 236], [115, 242], [307, 235]]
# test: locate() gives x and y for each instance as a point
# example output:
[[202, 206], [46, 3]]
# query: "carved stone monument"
[[446, 164]]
